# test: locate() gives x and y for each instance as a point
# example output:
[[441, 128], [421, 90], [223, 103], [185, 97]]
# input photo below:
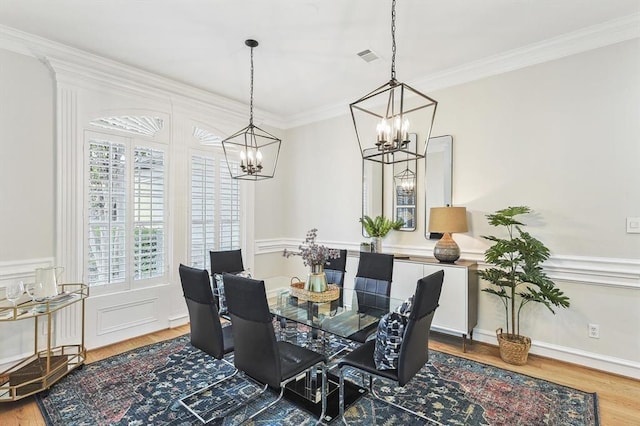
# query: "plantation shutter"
[[203, 180], [149, 215], [229, 207], [107, 197], [215, 208]]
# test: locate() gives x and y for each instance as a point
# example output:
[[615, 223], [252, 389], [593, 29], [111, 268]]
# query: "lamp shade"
[[448, 219]]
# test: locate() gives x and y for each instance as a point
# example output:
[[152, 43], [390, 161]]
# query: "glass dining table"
[[330, 327]]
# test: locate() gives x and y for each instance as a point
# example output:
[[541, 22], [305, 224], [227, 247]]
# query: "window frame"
[[131, 143]]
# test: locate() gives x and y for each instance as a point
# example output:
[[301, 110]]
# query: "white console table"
[[458, 310]]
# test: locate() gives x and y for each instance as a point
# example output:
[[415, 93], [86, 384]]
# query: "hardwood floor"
[[618, 396]]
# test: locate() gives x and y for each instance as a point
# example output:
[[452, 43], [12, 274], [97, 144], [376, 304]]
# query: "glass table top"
[[351, 312]]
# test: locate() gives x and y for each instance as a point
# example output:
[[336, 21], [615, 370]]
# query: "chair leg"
[[184, 404], [282, 386], [341, 396], [266, 407], [376, 396], [324, 395]]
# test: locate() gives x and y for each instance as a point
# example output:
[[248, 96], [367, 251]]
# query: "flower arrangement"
[[311, 252]]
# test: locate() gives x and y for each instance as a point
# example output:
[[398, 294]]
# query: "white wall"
[[27, 184], [561, 137]]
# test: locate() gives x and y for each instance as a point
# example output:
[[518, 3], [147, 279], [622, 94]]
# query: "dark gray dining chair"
[[207, 333], [257, 352], [229, 261], [373, 289], [336, 269], [414, 351]]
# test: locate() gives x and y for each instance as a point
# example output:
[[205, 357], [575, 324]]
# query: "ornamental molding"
[[137, 125], [207, 138], [598, 271], [78, 64], [83, 69], [596, 36]]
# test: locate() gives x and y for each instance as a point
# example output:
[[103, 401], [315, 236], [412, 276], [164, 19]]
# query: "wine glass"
[[14, 291], [34, 290]]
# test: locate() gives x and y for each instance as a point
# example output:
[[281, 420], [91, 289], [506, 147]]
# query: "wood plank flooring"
[[619, 397]]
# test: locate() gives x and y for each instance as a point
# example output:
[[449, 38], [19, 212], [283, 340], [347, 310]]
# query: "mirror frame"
[[371, 207], [386, 184]]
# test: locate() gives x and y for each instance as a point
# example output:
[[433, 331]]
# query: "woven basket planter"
[[513, 349]]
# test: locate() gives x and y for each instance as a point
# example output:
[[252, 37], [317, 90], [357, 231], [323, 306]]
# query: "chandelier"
[[406, 181], [251, 153], [384, 117]]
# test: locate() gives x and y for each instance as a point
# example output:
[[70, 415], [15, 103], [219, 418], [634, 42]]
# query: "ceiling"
[[307, 59]]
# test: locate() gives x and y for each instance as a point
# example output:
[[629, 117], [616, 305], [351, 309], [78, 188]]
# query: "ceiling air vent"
[[367, 55]]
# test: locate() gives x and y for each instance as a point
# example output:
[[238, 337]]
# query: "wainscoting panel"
[[600, 271], [125, 316], [21, 270]]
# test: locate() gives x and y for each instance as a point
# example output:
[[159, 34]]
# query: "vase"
[[317, 279], [376, 244]]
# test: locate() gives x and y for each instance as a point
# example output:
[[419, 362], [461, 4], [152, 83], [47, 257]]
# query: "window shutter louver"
[[148, 222], [229, 208], [203, 180], [107, 195], [215, 208]]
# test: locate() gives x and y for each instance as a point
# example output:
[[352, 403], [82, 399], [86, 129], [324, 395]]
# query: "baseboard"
[[596, 361], [178, 320]]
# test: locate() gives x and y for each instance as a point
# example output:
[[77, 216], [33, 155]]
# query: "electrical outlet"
[[633, 225], [594, 331]]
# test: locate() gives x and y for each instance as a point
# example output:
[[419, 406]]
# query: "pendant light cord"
[[251, 100], [393, 39]]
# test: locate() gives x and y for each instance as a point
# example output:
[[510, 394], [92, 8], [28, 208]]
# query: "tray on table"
[[332, 293]]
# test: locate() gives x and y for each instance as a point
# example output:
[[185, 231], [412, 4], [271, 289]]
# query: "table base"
[[295, 391]]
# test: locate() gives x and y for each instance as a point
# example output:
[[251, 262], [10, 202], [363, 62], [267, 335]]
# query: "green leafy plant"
[[380, 226], [516, 275]]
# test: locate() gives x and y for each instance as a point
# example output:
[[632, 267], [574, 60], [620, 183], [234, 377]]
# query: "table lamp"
[[447, 220]]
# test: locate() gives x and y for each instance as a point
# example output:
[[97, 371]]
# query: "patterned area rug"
[[142, 387]]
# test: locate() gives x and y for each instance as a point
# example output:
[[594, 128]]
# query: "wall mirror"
[[372, 194], [438, 164], [380, 192]]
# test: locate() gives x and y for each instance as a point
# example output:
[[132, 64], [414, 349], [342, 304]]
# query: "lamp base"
[[446, 250]]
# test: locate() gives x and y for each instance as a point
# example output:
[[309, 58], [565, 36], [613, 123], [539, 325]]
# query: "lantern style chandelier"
[[384, 117], [406, 181], [251, 153]]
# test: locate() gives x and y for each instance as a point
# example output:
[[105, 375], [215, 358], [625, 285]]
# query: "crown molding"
[[75, 66], [607, 33], [84, 65]]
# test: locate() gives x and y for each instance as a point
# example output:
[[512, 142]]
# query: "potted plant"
[[517, 278], [378, 228]]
